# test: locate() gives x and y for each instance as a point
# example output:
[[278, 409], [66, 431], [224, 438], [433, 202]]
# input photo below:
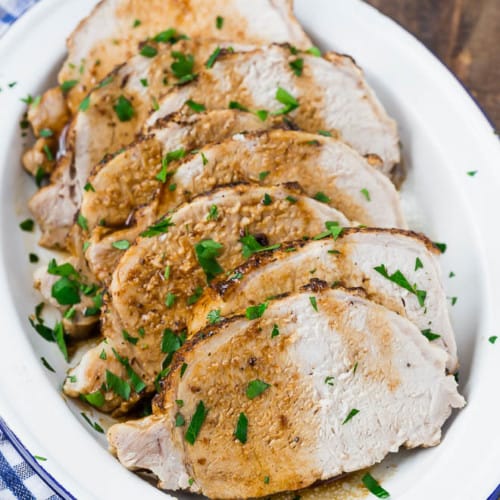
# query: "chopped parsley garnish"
[[136, 381], [352, 413], [196, 106], [27, 225], [119, 386], [266, 479], [46, 132], [297, 66], [213, 57], [168, 36], [94, 398], [89, 187], [66, 291], [213, 213], [68, 85], [59, 337], [326, 133], [148, 51], [241, 429], [170, 342], [219, 22], [267, 200], [251, 246], [137, 22], [171, 156], [39, 458], [204, 158], [256, 388], [491, 340], [366, 194], [166, 274], [399, 279], [94, 425], [105, 82], [440, 246], [183, 369], [121, 244], [155, 104], [48, 152], [430, 334], [160, 227], [374, 487], [333, 228], [275, 331], [170, 299], [207, 252], [182, 67], [172, 187], [254, 312], [262, 114], [196, 423], [453, 300], [103, 355], [33, 258], [451, 275], [314, 303], [192, 299], [319, 196], [129, 338], [84, 105], [47, 365], [418, 264], [144, 82], [123, 109], [263, 175], [214, 316], [82, 222], [472, 173], [179, 403], [329, 380], [314, 51], [179, 420], [290, 103], [237, 105]]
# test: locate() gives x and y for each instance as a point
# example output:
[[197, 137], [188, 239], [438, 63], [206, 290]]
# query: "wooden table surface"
[[464, 34]]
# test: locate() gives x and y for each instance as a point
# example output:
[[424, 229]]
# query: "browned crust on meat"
[[222, 287]]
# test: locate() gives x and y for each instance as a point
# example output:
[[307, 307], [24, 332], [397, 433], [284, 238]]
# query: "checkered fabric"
[[18, 479], [11, 10]]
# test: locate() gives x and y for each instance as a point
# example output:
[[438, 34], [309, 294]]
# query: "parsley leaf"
[[213, 213], [182, 67], [284, 97], [94, 398], [366, 194], [237, 105], [352, 413], [440, 246], [27, 225], [256, 388], [192, 299], [219, 22], [241, 429], [418, 264], [399, 278], [213, 57], [251, 246], [119, 386], [207, 252], [196, 423], [214, 316], [196, 106], [320, 196], [297, 66], [68, 85], [254, 312], [148, 51], [275, 331], [123, 109], [430, 334], [171, 156], [374, 487], [66, 291], [159, 228], [333, 228], [121, 244], [314, 303]]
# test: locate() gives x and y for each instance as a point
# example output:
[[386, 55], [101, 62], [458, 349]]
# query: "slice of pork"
[[346, 382], [351, 261], [112, 31], [98, 131], [326, 168], [159, 278], [330, 94]]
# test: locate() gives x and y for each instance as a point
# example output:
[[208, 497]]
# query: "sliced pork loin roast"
[[321, 384], [113, 114], [93, 51], [329, 93], [326, 169], [161, 276], [398, 269]]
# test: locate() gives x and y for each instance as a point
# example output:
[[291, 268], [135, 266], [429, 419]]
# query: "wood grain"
[[464, 34]]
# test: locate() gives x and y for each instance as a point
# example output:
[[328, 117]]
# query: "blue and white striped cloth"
[[11, 10]]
